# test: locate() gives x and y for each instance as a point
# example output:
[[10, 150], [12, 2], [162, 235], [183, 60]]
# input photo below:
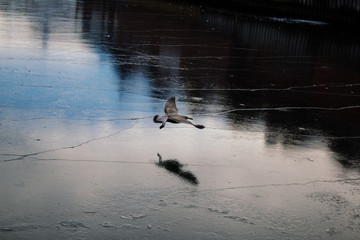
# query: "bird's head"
[[156, 119]]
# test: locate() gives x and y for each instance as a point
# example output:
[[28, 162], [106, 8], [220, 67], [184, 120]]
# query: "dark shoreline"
[[334, 12]]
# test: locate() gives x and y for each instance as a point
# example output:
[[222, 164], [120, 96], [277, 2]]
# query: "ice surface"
[[107, 225], [80, 82], [133, 216], [72, 224]]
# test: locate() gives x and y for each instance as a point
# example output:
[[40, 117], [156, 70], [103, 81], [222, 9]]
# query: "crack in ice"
[[283, 184], [77, 119], [88, 160], [285, 109], [22, 156]]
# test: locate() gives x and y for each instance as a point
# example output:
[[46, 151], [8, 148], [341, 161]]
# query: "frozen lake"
[[80, 82]]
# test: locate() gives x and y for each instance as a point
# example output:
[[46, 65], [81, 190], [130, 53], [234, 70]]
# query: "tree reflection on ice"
[[174, 166]]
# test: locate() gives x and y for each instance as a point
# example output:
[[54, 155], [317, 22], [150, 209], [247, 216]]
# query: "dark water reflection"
[[175, 167], [300, 81]]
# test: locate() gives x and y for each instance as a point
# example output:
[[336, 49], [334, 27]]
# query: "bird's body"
[[172, 115]]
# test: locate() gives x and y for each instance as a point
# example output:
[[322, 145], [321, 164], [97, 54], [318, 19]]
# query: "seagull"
[[171, 115]]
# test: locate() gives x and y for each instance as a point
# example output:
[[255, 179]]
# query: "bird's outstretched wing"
[[170, 107]]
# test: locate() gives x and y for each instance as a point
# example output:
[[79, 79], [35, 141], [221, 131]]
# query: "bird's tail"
[[199, 126], [189, 176]]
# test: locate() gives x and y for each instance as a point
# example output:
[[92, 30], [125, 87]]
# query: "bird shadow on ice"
[[174, 166]]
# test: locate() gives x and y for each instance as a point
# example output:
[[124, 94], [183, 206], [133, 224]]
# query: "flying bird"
[[172, 116]]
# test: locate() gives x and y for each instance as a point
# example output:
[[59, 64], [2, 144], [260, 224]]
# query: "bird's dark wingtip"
[[200, 126]]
